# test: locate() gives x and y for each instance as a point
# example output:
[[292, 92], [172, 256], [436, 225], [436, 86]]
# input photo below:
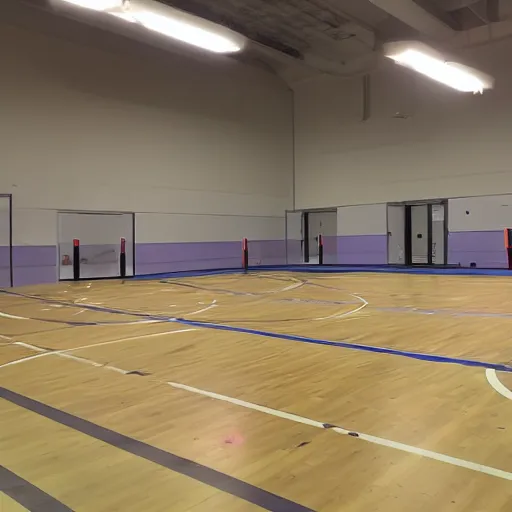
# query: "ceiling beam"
[[410, 13], [493, 11], [455, 5]]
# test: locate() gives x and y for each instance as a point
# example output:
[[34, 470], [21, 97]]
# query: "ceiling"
[[298, 39]]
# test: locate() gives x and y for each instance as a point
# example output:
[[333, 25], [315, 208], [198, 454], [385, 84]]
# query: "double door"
[[417, 234]]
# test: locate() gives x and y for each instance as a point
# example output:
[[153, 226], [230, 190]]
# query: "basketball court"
[[267, 390], [255, 255]]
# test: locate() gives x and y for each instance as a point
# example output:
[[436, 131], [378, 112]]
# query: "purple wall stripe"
[[267, 252], [293, 252], [5, 277], [474, 241], [29, 256], [330, 249], [24, 276], [32, 264], [485, 248], [34, 255], [363, 250], [157, 258], [37, 264], [186, 251]]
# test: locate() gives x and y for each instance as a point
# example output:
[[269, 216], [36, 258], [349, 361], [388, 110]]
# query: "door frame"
[[305, 237], [389, 232], [304, 242], [95, 212], [408, 229], [11, 263]]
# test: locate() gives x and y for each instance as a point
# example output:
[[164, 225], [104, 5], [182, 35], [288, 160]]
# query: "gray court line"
[[28, 495], [204, 474]]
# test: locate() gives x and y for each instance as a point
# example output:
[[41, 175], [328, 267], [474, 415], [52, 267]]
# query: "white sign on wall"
[[438, 213]]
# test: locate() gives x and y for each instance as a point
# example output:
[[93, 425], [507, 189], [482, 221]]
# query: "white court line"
[[454, 461], [211, 306], [122, 340], [104, 324], [31, 347], [296, 283], [65, 353], [25, 359], [93, 363], [44, 352], [348, 313], [13, 317], [290, 287], [248, 405], [494, 381]]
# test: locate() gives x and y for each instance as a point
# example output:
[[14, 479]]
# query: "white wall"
[[200, 228], [490, 213], [93, 121], [95, 229], [321, 223], [452, 144], [367, 219]]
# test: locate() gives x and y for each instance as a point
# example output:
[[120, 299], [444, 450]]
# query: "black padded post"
[[76, 259], [122, 258], [245, 254]]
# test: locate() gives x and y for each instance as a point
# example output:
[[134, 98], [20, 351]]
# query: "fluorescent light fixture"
[[170, 22], [185, 27], [187, 33], [126, 16], [427, 61], [97, 5]]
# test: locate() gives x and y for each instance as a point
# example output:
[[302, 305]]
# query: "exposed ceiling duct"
[[454, 5], [416, 17], [409, 12], [483, 35]]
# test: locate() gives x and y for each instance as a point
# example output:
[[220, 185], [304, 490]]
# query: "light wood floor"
[[444, 409]]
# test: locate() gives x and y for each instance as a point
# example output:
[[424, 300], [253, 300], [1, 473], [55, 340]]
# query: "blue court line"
[[433, 358], [204, 474], [28, 495], [333, 269]]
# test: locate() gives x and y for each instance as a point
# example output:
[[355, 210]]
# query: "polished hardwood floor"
[[325, 392]]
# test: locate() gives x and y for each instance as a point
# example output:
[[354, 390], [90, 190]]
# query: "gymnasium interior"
[[255, 255]]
